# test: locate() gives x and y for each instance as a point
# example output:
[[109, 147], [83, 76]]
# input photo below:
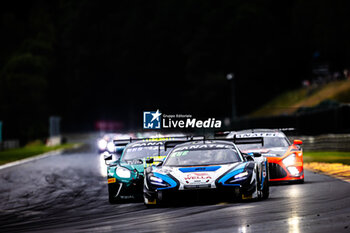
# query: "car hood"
[[139, 167]]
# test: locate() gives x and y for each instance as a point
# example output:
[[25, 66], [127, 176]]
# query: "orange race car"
[[285, 158]]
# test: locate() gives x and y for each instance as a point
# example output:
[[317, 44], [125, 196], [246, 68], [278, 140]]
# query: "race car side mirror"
[[159, 164], [107, 156], [151, 160], [249, 158], [297, 142], [256, 154]]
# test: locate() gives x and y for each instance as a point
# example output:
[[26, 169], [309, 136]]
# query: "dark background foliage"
[[91, 60]]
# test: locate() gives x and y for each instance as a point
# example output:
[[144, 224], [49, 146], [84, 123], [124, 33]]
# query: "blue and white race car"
[[214, 168]]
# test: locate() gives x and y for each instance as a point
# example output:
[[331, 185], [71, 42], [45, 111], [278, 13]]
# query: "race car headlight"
[[290, 160], [102, 144], [123, 172], [293, 171], [157, 181], [110, 147], [240, 175]]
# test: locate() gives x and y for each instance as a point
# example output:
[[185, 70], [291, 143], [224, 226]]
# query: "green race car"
[[126, 175]]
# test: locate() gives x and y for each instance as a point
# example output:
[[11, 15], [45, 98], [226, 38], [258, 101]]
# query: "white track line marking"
[[31, 159]]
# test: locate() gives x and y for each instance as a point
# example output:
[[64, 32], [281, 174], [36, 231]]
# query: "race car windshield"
[[269, 142], [202, 157], [143, 152]]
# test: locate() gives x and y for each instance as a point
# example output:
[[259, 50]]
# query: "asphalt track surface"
[[68, 193]]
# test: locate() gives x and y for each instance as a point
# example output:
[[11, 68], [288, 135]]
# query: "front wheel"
[[112, 193]]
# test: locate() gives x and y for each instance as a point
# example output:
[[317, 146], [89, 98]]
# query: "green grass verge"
[[291, 101], [281, 103], [343, 97], [327, 157], [28, 151]]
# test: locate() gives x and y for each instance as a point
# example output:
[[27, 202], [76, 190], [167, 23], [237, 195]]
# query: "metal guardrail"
[[327, 142]]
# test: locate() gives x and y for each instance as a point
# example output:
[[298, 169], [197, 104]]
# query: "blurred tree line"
[[88, 60]]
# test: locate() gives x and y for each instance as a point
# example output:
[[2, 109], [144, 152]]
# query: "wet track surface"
[[68, 193]]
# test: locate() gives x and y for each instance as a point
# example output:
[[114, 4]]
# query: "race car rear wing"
[[226, 133], [240, 141], [253, 140], [124, 142], [235, 140], [172, 144]]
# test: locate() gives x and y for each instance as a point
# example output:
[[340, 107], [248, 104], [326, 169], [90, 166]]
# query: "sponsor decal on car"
[[149, 145], [208, 145], [198, 176], [111, 180], [264, 171], [254, 135]]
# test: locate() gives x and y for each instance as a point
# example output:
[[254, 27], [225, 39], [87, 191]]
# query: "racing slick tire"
[[112, 192]]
